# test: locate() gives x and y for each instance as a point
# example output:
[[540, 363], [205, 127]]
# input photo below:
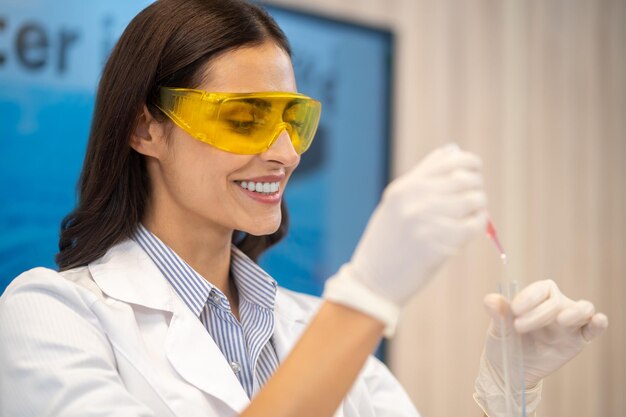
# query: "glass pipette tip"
[[493, 235]]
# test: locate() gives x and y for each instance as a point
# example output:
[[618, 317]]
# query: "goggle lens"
[[244, 123]]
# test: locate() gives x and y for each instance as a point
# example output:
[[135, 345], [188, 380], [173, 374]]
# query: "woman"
[[159, 308]]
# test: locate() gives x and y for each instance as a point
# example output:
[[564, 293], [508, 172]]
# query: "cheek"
[[188, 176], [203, 173], [187, 169]]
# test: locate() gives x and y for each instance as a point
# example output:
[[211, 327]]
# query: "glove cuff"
[[346, 289], [490, 397]]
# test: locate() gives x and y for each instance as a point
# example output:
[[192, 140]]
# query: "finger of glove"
[[596, 326], [476, 222], [436, 155], [422, 190], [497, 308], [451, 234], [577, 314], [532, 296], [471, 226], [460, 206], [459, 181], [541, 316], [446, 162]]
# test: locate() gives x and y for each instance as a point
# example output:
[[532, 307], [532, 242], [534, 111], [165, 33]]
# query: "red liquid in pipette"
[[491, 232]]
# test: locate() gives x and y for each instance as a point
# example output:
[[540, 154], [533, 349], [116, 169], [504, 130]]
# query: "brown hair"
[[168, 43]]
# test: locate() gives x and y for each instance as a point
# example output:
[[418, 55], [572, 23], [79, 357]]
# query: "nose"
[[282, 151]]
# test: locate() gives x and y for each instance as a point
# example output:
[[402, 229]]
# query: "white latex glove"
[[424, 217], [554, 329]]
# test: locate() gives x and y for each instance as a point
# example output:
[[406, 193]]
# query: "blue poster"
[[51, 56]]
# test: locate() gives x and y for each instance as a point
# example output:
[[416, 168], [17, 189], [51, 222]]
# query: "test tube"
[[511, 341]]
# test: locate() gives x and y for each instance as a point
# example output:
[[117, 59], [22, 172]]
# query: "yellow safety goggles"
[[243, 123]]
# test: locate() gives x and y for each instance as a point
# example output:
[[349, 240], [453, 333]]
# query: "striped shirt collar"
[[255, 286]]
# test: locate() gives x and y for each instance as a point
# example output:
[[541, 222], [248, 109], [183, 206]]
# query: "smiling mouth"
[[265, 188]]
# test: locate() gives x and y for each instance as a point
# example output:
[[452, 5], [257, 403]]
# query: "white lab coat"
[[113, 339]]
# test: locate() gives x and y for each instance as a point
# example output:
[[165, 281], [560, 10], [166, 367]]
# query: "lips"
[[262, 197], [264, 189]]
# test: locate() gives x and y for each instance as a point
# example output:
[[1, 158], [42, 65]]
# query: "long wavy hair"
[[168, 43]]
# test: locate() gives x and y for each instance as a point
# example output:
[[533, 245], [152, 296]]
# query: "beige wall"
[[538, 89]]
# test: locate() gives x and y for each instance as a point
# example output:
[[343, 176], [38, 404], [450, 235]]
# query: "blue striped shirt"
[[246, 344]]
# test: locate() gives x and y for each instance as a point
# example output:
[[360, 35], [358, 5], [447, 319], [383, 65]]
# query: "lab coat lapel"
[[126, 273], [196, 357], [290, 322]]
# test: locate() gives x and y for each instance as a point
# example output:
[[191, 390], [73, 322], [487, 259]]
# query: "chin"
[[262, 228]]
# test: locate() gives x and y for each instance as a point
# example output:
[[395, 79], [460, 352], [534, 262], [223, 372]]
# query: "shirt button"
[[235, 367], [214, 296]]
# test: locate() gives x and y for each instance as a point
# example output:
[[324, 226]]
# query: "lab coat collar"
[[128, 274]]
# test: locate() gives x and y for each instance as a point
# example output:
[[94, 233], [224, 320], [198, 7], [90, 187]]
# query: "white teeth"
[[260, 187]]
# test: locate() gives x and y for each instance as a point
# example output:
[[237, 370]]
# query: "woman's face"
[[201, 185]]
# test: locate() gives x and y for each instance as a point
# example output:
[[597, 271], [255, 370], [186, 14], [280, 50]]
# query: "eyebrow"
[[259, 103]]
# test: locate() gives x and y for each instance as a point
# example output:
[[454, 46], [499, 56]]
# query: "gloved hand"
[[554, 329], [424, 217]]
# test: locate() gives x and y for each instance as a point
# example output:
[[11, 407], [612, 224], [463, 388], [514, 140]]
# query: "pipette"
[[511, 342], [493, 235]]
